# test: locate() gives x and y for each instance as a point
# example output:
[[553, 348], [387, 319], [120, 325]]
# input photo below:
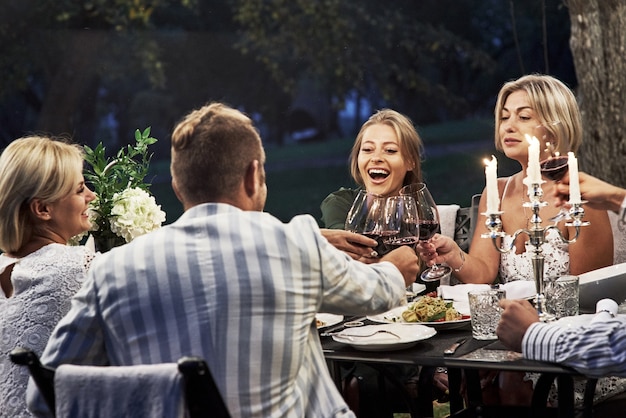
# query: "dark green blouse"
[[335, 207]]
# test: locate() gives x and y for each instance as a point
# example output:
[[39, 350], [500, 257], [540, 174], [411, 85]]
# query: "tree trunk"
[[598, 44]]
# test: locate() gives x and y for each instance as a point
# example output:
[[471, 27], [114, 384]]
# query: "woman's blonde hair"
[[411, 145], [33, 167], [552, 101]]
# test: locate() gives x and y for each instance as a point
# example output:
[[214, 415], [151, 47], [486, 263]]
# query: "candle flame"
[[531, 139], [487, 161]]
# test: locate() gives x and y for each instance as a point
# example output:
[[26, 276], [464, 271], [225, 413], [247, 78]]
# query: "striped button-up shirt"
[[595, 350], [240, 289]]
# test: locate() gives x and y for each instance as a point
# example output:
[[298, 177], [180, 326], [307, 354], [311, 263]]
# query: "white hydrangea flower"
[[134, 213]]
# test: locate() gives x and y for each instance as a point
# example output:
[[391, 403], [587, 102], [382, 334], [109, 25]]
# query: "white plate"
[[394, 316], [361, 339], [328, 320], [607, 282]]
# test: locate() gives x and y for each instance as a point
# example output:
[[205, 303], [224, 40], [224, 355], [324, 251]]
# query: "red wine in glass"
[[554, 168], [382, 247], [428, 228]]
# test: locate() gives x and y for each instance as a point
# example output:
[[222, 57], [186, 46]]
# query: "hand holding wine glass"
[[428, 225], [555, 166], [401, 222], [365, 216]]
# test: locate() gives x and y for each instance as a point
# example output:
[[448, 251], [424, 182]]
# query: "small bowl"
[[608, 282]]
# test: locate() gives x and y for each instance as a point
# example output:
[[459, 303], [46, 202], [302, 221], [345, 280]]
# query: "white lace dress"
[[43, 284], [519, 266], [556, 263]]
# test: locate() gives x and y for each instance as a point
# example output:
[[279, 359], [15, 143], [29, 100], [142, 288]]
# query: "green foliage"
[[33, 38], [108, 176], [364, 46]]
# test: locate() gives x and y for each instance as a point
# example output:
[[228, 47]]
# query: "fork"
[[380, 331]]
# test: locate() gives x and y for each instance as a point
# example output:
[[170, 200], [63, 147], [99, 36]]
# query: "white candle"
[[533, 172], [493, 195], [574, 186]]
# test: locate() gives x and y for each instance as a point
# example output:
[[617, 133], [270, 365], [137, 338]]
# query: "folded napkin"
[[606, 309], [519, 289], [447, 219], [132, 391]]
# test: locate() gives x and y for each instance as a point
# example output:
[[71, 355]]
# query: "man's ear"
[[39, 209], [251, 180]]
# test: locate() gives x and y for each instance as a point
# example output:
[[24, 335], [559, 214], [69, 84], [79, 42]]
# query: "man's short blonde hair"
[[211, 149]]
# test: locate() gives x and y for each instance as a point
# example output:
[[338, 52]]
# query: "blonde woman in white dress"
[[43, 203], [523, 105]]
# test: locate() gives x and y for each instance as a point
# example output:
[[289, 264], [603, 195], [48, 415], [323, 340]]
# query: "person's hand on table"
[[357, 246], [517, 316]]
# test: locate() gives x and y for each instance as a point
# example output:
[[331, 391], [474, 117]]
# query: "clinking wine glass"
[[555, 166], [401, 222], [400, 225], [364, 217], [428, 226]]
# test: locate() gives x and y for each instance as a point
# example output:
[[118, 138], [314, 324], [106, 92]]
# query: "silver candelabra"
[[537, 236]]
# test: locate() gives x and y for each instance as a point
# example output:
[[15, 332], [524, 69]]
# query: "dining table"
[[470, 357]]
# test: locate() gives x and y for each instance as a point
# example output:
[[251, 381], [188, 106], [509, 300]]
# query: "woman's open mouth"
[[378, 174]]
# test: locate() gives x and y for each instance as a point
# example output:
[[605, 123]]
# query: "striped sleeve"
[[596, 350]]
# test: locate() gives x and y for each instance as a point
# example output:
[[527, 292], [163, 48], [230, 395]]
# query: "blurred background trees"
[[89, 67], [304, 70]]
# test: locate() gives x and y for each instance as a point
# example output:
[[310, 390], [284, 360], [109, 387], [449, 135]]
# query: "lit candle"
[[533, 172], [574, 186], [493, 196]]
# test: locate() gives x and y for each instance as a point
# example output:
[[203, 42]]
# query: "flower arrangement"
[[124, 208]]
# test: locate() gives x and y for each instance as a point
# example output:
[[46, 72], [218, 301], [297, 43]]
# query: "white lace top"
[[555, 253], [43, 284], [556, 263]]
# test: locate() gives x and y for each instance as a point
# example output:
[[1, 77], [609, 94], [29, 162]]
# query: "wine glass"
[[365, 217], [400, 224], [428, 226], [555, 166]]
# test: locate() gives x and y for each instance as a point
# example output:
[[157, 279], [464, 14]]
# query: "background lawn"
[[300, 176]]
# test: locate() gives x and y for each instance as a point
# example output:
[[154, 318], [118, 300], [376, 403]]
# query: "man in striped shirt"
[[228, 283], [595, 350]]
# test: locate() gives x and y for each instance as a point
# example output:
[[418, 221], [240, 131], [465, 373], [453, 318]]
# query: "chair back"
[[466, 221], [200, 391], [42, 375]]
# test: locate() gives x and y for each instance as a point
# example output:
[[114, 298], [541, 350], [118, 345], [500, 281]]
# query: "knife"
[[452, 349]]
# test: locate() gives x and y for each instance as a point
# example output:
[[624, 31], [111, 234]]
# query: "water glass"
[[485, 312], [561, 296]]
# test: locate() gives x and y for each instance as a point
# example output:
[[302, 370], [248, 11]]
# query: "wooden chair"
[[202, 396]]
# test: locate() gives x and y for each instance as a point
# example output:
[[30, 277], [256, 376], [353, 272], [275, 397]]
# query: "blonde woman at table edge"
[[43, 203], [523, 105]]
